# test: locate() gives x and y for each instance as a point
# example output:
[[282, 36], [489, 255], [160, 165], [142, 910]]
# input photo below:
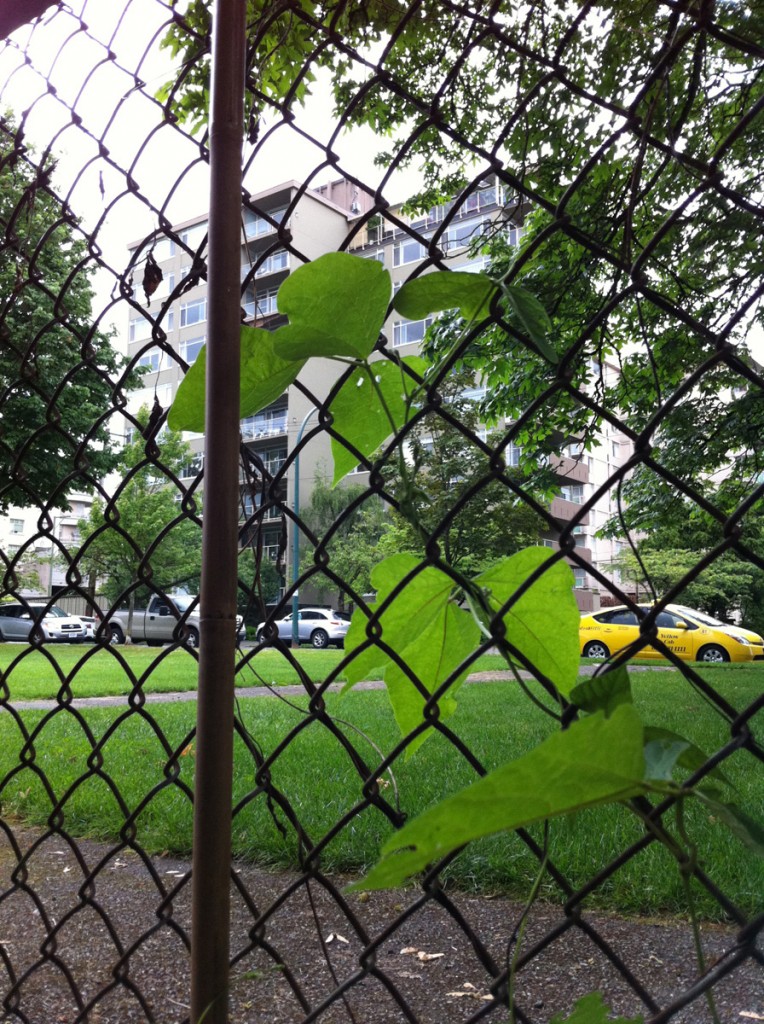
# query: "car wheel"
[[319, 638], [115, 635], [596, 649], [713, 654], [192, 636]]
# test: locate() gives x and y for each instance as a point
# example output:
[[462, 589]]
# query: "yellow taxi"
[[691, 635]]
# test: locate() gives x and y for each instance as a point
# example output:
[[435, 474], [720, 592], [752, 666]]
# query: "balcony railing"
[[266, 426]]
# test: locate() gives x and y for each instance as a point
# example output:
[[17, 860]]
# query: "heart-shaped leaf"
[[339, 296], [264, 377], [471, 294], [371, 405]]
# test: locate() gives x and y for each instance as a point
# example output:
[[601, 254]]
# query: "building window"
[[275, 262], [476, 394], [409, 251], [190, 349], [513, 454], [573, 492], [140, 329], [193, 467], [193, 312], [580, 577], [264, 424], [379, 255], [274, 460], [406, 332], [259, 303], [17, 525], [154, 359], [463, 233], [193, 236], [615, 448], [255, 226]]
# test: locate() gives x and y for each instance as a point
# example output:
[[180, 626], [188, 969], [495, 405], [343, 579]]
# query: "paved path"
[[286, 691]]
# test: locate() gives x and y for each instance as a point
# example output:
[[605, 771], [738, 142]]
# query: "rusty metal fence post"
[[212, 802]]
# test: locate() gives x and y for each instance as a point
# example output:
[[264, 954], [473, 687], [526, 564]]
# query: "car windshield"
[[183, 601], [54, 612], [707, 620]]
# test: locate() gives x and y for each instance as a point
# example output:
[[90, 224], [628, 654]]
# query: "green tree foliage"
[[732, 584], [124, 543], [56, 367], [614, 129], [354, 545], [458, 498], [724, 587]]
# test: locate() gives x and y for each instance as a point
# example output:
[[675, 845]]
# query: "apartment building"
[[281, 229], [42, 564]]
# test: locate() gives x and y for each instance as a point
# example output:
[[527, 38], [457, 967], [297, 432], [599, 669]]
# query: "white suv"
[[317, 626], [18, 620]]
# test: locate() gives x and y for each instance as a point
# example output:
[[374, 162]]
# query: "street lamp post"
[[296, 533]]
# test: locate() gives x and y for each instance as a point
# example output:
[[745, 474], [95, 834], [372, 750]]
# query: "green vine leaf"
[[428, 632], [691, 757], [543, 623], [533, 317], [264, 377], [597, 760], [338, 302], [661, 757], [373, 403], [471, 294], [591, 1009], [604, 692], [749, 831]]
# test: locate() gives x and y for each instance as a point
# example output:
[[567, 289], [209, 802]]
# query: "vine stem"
[[685, 870], [519, 930], [686, 857]]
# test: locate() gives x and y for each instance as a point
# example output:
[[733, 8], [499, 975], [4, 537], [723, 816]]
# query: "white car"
[[18, 619], [317, 626], [91, 624]]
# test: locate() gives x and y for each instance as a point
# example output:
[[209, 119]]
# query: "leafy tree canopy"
[[353, 548], [628, 139], [145, 535], [56, 368]]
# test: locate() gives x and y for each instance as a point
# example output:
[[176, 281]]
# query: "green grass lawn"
[[149, 759], [32, 674]]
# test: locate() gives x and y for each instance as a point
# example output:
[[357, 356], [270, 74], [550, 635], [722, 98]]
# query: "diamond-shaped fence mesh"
[[588, 429]]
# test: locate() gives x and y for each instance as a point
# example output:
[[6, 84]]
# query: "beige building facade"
[[293, 226]]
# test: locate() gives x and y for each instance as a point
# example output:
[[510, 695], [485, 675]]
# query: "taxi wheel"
[[596, 649], [714, 654]]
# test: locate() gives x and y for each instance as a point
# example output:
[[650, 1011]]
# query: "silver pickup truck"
[[158, 623]]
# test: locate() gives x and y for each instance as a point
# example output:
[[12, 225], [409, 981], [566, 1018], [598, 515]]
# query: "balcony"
[[255, 427], [575, 470], [564, 510]]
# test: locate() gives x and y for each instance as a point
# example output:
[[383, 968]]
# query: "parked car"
[[18, 619], [91, 624], [691, 635], [160, 622], [317, 626]]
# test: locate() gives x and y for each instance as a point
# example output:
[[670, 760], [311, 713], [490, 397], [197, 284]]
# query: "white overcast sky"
[[162, 160]]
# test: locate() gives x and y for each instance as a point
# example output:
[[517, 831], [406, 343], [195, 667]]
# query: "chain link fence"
[[602, 408]]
